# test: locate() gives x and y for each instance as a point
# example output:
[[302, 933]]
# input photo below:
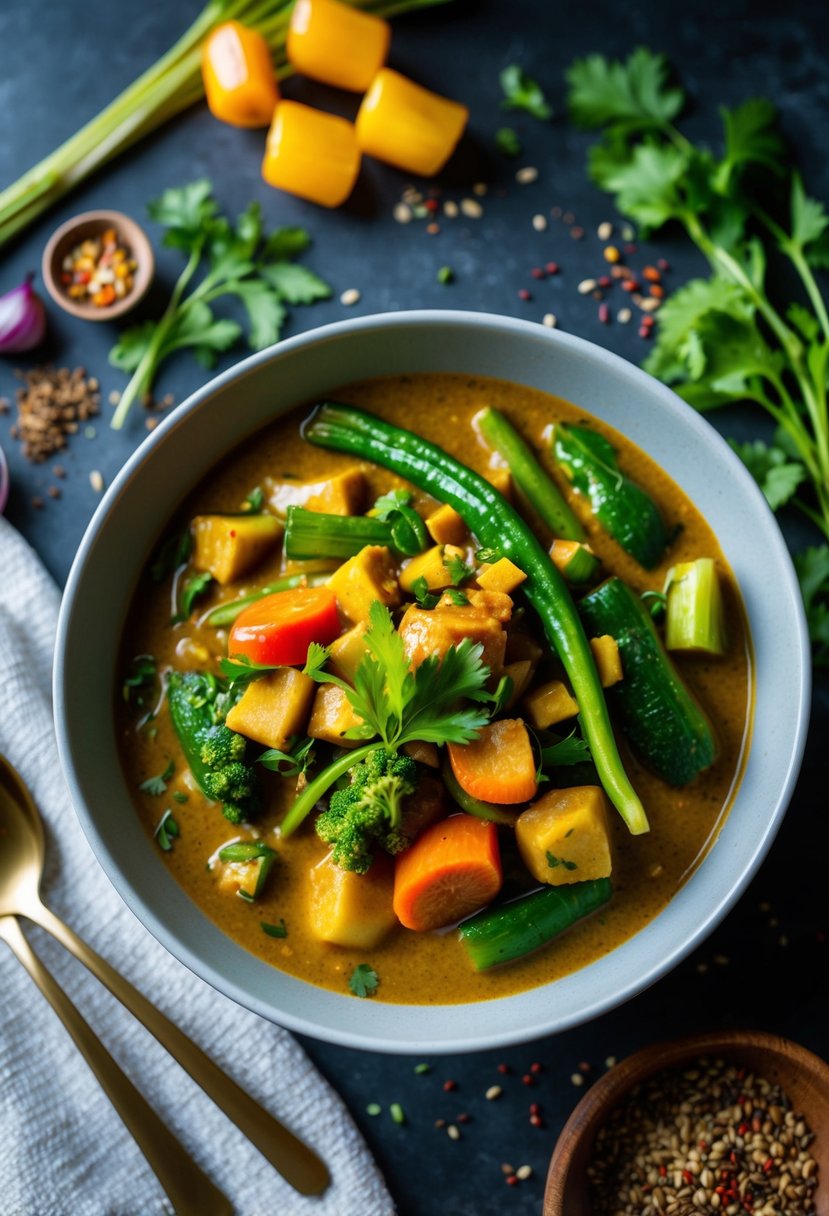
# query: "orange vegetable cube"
[[311, 154], [337, 44], [239, 81], [433, 631], [408, 126], [450, 871], [498, 766], [608, 660], [502, 575], [337, 494], [273, 708], [367, 576], [431, 566], [550, 703]]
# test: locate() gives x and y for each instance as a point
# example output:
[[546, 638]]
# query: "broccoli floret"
[[367, 813], [222, 746]]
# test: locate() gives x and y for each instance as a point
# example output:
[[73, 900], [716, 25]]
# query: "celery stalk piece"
[[695, 614]]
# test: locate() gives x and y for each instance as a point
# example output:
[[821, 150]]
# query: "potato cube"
[[274, 708], [490, 603], [564, 836], [367, 576], [550, 703], [446, 527], [608, 660], [331, 716], [347, 652], [337, 494], [229, 546], [520, 672], [502, 575], [431, 565], [426, 632], [348, 909]]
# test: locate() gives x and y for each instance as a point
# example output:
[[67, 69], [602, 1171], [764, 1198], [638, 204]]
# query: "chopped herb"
[[364, 980], [180, 796], [521, 92], [446, 274], [507, 142], [246, 850], [279, 930], [457, 569], [777, 475], [255, 500], [396, 1112], [172, 554], [193, 587], [569, 833], [166, 831], [240, 670], [553, 862], [158, 785], [293, 763], [421, 1069], [143, 674], [392, 501], [373, 1109], [656, 603], [459, 598], [424, 597], [571, 750]]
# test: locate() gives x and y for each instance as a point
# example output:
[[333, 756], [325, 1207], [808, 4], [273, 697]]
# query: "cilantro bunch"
[[240, 261], [728, 337]]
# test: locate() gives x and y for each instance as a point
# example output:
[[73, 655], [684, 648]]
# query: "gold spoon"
[[21, 867]]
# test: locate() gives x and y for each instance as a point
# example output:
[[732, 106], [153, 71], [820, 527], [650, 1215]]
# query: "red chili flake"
[[528, 1079], [663, 264], [449, 1086], [552, 268], [463, 1118], [538, 273], [651, 274], [663, 1171], [630, 285], [644, 332], [605, 281], [523, 294], [535, 1109], [768, 1165], [719, 1190], [687, 1177], [742, 1129], [503, 1068], [511, 1180], [431, 204], [536, 1067], [604, 314], [536, 1121]]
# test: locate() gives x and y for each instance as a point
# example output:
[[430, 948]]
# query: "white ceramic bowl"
[[146, 493]]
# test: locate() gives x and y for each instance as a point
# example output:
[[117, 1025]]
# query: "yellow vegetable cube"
[[550, 703], [431, 565], [229, 546], [274, 708], [346, 653], [367, 576], [608, 660], [348, 909], [520, 672], [501, 478], [426, 632], [502, 575], [332, 716], [564, 836], [337, 494], [446, 527]]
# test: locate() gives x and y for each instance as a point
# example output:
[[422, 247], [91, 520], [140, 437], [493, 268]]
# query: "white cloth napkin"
[[63, 1149]]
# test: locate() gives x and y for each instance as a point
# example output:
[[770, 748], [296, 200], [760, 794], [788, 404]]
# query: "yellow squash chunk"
[[446, 527], [550, 703], [564, 836], [426, 632], [337, 494], [348, 909], [367, 576], [608, 660], [521, 673], [490, 603], [502, 575], [229, 546], [431, 565], [332, 716], [274, 708], [346, 653], [501, 478], [423, 753], [239, 877]]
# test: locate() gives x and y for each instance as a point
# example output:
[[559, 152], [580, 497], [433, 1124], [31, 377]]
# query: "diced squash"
[[274, 708], [608, 660], [500, 477], [229, 546], [431, 565], [367, 576], [423, 753], [564, 836], [491, 603], [332, 716], [342, 493], [550, 703], [433, 631], [498, 766], [347, 652], [502, 575], [521, 673], [348, 909], [446, 527]]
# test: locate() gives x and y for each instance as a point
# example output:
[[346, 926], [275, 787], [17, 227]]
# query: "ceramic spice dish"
[[90, 225], [803, 1076]]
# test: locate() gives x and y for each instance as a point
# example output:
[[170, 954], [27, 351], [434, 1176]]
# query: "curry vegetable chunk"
[[381, 708]]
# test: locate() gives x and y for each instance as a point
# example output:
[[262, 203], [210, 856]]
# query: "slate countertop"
[[766, 966]]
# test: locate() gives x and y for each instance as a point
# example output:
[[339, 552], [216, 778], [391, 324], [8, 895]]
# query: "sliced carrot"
[[498, 766], [278, 629], [451, 870]]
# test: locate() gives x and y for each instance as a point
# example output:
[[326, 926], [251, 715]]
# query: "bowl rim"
[[551, 1022], [140, 246]]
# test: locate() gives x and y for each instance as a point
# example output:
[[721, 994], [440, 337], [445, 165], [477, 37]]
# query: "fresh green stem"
[[320, 786]]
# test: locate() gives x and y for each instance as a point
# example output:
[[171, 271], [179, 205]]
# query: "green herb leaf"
[[570, 750], [776, 475], [255, 501], [751, 138], [397, 1114], [364, 980], [286, 243], [507, 142], [296, 284], [521, 92], [166, 831], [186, 212], [157, 785], [245, 850], [265, 310], [390, 502], [180, 796], [457, 569], [279, 930], [143, 674], [293, 763], [172, 554], [553, 862], [648, 185], [193, 587], [240, 670], [446, 274], [459, 598], [627, 97], [809, 218], [425, 598], [812, 568], [132, 346]]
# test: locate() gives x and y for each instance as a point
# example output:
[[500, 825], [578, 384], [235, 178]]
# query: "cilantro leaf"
[[193, 587], [507, 142], [143, 674], [456, 568], [521, 92], [648, 184], [279, 930], [392, 501], [185, 211], [132, 345], [628, 97], [554, 862], [255, 500], [286, 243], [240, 670], [776, 475], [812, 568], [171, 554], [570, 750], [425, 598], [157, 785], [364, 980], [808, 216], [296, 284], [751, 138], [166, 831], [293, 763], [265, 310]]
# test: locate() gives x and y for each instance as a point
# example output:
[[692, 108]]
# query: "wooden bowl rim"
[[133, 236]]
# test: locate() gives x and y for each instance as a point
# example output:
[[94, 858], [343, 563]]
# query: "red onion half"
[[22, 319]]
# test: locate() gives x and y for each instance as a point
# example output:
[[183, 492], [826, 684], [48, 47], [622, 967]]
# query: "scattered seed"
[[471, 208], [37, 502], [577, 233], [623, 316], [655, 870], [50, 404], [612, 254], [506, 1168], [150, 423], [555, 212], [493, 1092], [604, 314], [610, 1062], [421, 1069], [512, 1180], [604, 231], [96, 480], [538, 272], [649, 304], [550, 320], [576, 1079], [504, 1068], [526, 175], [536, 1068], [651, 274], [540, 223], [453, 1132], [523, 294], [373, 1108], [449, 1086], [350, 296], [53, 492], [528, 1079], [403, 213], [628, 232], [450, 209], [463, 1117], [524, 1172], [446, 274], [396, 1112], [586, 286], [433, 229], [552, 268], [480, 188], [568, 217]]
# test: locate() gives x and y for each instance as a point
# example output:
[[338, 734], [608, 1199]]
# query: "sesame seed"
[[350, 296], [550, 320], [576, 1079], [623, 316], [604, 231], [453, 1132], [611, 254], [586, 286], [450, 209], [480, 189], [114, 397], [96, 480], [471, 208], [526, 175], [524, 1172], [403, 213], [540, 223], [493, 1092], [610, 1062]]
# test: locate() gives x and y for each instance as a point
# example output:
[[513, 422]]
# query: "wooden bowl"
[[81, 228], [803, 1076]]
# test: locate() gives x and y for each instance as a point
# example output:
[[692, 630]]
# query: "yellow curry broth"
[[433, 968]]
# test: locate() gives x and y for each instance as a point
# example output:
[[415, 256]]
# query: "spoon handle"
[[189, 1189], [293, 1159]]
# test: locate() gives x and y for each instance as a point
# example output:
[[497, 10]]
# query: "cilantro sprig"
[[239, 261], [521, 92], [364, 980], [730, 336]]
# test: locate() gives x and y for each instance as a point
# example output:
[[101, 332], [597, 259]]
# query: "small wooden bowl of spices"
[[731, 1123], [98, 265]]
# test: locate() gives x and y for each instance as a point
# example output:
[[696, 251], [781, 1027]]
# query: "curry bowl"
[[302, 370]]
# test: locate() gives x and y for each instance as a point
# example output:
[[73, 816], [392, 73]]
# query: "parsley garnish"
[[656, 603], [364, 980], [425, 598], [240, 670], [570, 750], [143, 674], [255, 500], [279, 930], [293, 763], [166, 831], [392, 501], [507, 142], [776, 473], [521, 92], [456, 568], [192, 588], [459, 598], [180, 796], [158, 785], [553, 862]]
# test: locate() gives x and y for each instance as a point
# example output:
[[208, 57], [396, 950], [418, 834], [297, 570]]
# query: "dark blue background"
[[64, 61]]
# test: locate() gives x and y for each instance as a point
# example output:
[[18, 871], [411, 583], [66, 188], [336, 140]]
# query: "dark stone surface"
[[65, 60]]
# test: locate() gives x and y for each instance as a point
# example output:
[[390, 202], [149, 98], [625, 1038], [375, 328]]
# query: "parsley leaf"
[[166, 831], [521, 92], [240, 670], [279, 930], [553, 862], [507, 142], [296, 284], [364, 980], [157, 785], [628, 97], [570, 750], [776, 475], [143, 674], [425, 598], [456, 568], [390, 502], [812, 568], [286, 243], [751, 138], [193, 587], [648, 184], [255, 500], [293, 763]]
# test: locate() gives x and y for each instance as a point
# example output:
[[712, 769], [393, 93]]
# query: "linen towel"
[[63, 1149]]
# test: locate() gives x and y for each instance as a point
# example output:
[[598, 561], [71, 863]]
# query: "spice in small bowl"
[[98, 265]]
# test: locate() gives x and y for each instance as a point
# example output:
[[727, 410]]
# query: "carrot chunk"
[[498, 766], [278, 629], [451, 870]]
